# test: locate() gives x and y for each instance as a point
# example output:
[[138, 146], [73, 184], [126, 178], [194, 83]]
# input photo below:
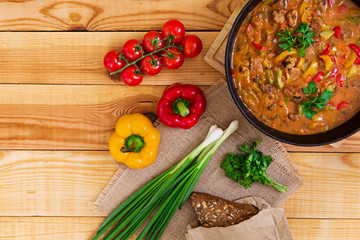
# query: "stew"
[[296, 64]]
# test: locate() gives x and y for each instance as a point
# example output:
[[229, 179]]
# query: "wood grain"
[[81, 228], [65, 183], [93, 15], [81, 116], [77, 58]]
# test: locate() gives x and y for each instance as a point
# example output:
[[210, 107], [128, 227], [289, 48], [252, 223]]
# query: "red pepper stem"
[[184, 111]]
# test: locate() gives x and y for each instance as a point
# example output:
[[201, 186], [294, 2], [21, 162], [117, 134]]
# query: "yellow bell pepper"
[[306, 16], [311, 70], [285, 54], [300, 63], [135, 141], [304, 5], [350, 61], [327, 61]]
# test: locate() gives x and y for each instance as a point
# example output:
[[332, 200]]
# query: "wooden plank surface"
[[94, 15], [77, 58], [81, 228], [81, 116], [65, 183]]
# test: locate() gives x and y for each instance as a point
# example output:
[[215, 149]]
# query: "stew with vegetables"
[[296, 64]]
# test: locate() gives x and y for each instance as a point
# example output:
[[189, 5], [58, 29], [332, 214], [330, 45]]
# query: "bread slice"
[[214, 211]]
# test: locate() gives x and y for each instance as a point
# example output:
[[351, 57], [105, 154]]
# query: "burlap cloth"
[[177, 143]]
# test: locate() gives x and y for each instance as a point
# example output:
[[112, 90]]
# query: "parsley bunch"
[[301, 43], [308, 107], [249, 168]]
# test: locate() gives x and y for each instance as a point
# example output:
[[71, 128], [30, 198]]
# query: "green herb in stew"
[[301, 43], [308, 107]]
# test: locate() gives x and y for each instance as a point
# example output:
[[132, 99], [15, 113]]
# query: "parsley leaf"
[[311, 88], [288, 42], [308, 107], [249, 168]]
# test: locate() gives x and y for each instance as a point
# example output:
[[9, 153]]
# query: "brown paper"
[[269, 223], [175, 144]]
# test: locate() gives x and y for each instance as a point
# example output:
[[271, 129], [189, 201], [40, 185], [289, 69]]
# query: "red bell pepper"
[[341, 105], [248, 28], [181, 106], [318, 77], [327, 50], [258, 46], [333, 58], [357, 61], [342, 8], [337, 31], [334, 72], [340, 80], [356, 49]]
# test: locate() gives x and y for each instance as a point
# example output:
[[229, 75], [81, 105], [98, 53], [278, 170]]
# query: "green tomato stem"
[[144, 56]]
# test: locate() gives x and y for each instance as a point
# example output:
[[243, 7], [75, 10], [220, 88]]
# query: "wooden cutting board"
[[215, 56]]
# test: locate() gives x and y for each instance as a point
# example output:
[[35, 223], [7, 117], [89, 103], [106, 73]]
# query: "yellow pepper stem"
[[133, 143]]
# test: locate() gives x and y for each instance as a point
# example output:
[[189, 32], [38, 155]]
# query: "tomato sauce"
[[272, 78]]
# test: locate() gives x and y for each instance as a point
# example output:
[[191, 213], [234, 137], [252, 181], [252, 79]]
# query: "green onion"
[[168, 191]]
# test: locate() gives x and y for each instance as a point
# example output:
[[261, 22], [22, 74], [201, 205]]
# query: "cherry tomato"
[[152, 41], [132, 50], [112, 62], [172, 58], [175, 28], [130, 76], [192, 46], [151, 66]]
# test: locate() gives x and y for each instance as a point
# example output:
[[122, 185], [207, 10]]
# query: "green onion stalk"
[[168, 192]]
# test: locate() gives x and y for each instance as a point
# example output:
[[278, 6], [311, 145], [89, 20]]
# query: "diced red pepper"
[[318, 77], [331, 3], [283, 24], [234, 72], [341, 105], [247, 29], [327, 50], [333, 58], [342, 8], [357, 61], [258, 46], [340, 80], [334, 72], [356, 49], [337, 31]]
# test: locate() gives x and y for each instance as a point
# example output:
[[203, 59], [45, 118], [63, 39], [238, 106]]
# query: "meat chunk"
[[346, 33], [278, 16], [294, 73], [268, 38], [257, 20], [320, 6], [256, 64], [292, 18], [289, 62], [266, 88], [292, 116], [280, 4], [316, 24], [294, 93]]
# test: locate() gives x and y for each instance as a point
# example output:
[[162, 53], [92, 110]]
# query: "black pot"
[[345, 130]]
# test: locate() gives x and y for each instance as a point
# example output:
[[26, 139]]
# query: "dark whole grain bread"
[[214, 211]]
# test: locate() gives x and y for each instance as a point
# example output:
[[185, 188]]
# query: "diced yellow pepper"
[[311, 70], [306, 16], [285, 54], [300, 63], [350, 61], [327, 61], [353, 71], [304, 5], [327, 34]]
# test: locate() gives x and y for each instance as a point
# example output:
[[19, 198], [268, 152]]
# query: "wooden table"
[[58, 107]]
